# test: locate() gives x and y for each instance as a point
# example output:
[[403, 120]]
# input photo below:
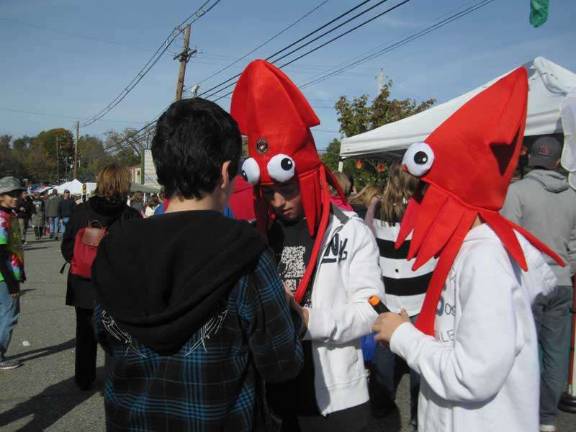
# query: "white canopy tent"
[[549, 85], [75, 187]]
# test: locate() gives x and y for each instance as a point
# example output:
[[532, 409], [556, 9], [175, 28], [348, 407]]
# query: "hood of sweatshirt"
[[551, 180], [163, 277]]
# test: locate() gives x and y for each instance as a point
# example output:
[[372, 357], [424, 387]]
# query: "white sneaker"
[[547, 428]]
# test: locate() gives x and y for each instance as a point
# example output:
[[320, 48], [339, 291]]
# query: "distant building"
[[136, 174], [150, 178]]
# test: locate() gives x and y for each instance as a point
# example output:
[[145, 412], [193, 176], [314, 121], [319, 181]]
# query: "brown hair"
[[344, 182], [113, 182], [398, 190], [364, 197]]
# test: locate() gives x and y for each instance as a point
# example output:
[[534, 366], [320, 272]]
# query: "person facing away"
[[11, 266], [38, 216], [543, 203], [197, 324], [327, 259], [405, 288], [107, 206]]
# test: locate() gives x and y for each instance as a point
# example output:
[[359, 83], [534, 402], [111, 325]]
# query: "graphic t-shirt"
[[292, 246], [10, 237]]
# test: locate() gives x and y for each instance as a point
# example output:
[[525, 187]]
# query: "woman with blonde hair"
[[362, 200], [103, 209], [405, 289]]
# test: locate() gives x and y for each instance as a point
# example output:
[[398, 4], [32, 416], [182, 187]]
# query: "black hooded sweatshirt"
[[163, 277]]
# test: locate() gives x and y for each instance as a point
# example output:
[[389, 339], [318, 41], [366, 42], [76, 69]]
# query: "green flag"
[[538, 12]]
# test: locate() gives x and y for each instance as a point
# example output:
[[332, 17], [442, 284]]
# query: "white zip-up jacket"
[[480, 372], [346, 276]]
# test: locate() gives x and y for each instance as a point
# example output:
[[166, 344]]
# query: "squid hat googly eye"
[[275, 117]]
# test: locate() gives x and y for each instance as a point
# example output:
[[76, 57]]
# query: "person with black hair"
[[196, 325]]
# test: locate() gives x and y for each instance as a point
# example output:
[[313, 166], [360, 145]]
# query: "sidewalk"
[[41, 395]]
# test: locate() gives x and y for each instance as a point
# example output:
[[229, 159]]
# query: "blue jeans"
[[54, 224], [386, 372], [63, 223], [9, 312], [554, 325]]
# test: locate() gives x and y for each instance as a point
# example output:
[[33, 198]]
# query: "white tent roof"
[[75, 187], [549, 84]]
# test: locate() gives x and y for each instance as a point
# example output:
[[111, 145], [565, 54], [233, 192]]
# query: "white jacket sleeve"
[[475, 367], [362, 279]]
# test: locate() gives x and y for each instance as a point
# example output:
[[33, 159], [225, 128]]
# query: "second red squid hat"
[[276, 118]]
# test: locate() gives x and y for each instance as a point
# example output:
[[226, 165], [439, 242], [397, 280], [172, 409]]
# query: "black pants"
[[86, 346], [353, 419]]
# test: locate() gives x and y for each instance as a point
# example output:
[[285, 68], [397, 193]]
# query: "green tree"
[[358, 115]]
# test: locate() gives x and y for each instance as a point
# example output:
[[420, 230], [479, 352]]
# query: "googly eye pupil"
[[243, 174], [421, 158], [286, 164]]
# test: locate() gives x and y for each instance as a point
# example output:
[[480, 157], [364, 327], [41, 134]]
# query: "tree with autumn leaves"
[[358, 115]]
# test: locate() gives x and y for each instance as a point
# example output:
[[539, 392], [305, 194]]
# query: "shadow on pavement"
[[44, 352], [47, 407], [24, 291]]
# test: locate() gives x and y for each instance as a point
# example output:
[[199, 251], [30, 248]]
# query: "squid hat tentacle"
[[276, 118], [467, 162]]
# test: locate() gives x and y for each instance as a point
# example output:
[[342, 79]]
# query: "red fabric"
[[84, 255], [270, 109], [476, 151], [341, 203], [242, 200]]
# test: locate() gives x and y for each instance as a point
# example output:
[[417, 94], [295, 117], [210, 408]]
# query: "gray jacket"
[[52, 206], [544, 204]]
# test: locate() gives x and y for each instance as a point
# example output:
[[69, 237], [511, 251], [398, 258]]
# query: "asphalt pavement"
[[41, 395]]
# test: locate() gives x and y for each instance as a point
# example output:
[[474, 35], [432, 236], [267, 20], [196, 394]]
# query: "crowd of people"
[[228, 325]]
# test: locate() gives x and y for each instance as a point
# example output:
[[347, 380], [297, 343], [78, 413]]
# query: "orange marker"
[[377, 305]]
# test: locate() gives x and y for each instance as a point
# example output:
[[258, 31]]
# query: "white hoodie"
[[480, 372], [347, 275]]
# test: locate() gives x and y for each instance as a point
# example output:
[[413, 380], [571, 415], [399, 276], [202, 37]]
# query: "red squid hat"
[[276, 118], [468, 162]]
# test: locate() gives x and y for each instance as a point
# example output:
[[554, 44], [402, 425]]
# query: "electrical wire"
[[270, 57], [199, 13], [388, 48], [335, 38], [267, 41]]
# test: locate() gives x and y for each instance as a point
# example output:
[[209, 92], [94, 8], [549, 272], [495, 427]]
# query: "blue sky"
[[63, 60]]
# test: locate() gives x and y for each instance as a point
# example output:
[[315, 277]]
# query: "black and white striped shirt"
[[405, 288]]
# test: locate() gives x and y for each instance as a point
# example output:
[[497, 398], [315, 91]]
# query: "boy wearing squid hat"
[[328, 260], [474, 343]]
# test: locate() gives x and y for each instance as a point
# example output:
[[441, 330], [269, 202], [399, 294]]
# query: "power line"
[[199, 13], [65, 116], [285, 29], [342, 15], [388, 48], [322, 44]]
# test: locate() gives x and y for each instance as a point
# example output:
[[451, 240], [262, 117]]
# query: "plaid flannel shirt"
[[216, 381]]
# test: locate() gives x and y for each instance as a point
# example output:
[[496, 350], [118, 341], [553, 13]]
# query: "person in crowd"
[[214, 323], [24, 213], [151, 206], [405, 288], [11, 266], [106, 207], [346, 186], [328, 260], [544, 204], [52, 205], [38, 215], [361, 201], [474, 343], [65, 208], [137, 202]]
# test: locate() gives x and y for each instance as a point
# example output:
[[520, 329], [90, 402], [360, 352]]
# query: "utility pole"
[[183, 57], [75, 169], [58, 159]]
